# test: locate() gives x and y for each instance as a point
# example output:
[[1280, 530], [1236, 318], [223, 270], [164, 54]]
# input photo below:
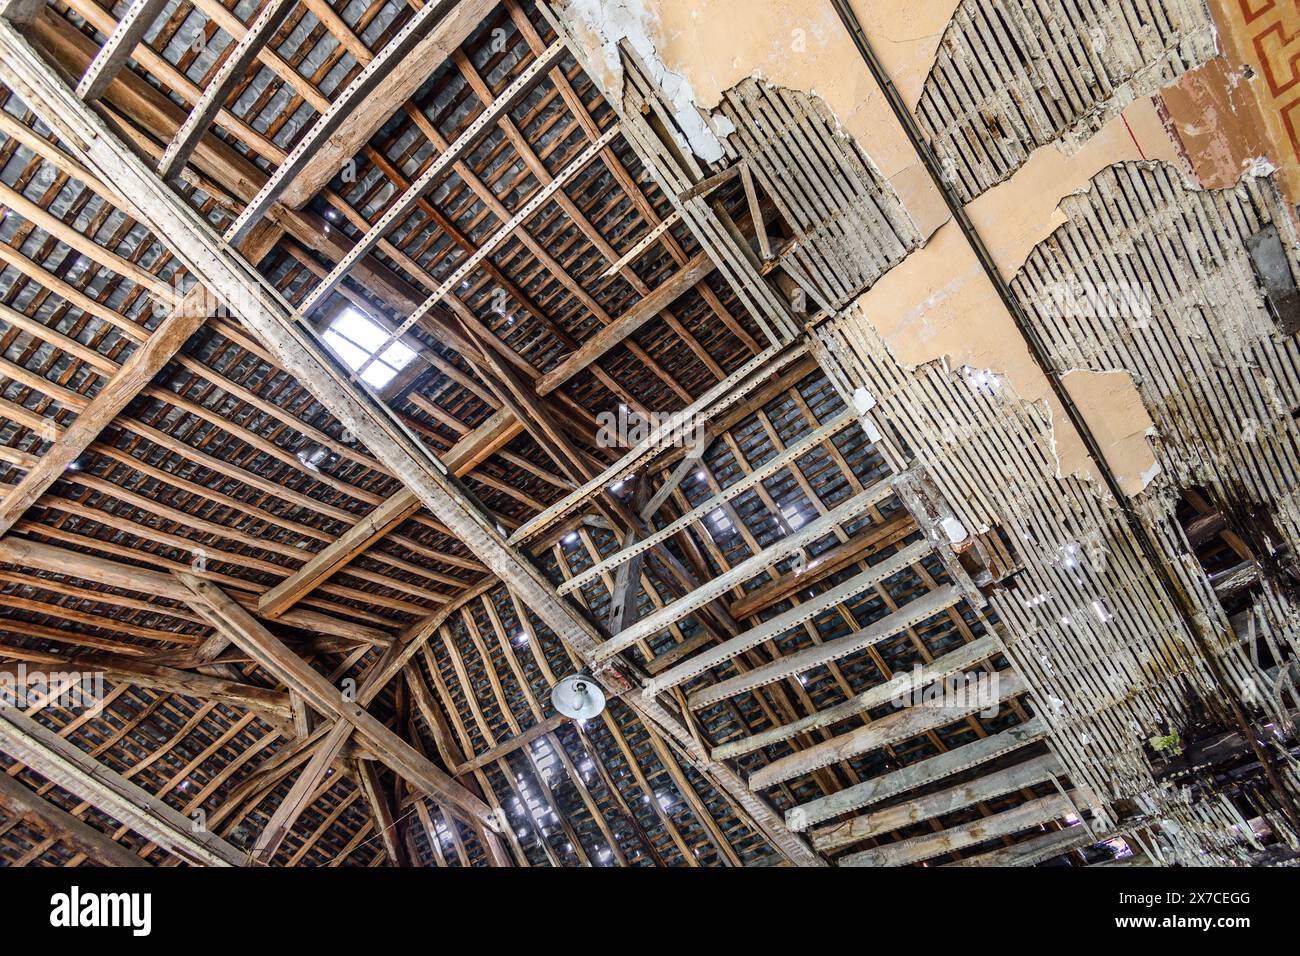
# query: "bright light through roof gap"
[[354, 338]]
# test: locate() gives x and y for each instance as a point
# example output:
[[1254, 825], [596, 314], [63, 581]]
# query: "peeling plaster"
[[1021, 212], [713, 45], [1265, 44], [1214, 116], [1113, 409], [939, 305], [609, 22]]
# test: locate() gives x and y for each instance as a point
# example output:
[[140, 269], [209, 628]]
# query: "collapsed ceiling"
[[892, 406]]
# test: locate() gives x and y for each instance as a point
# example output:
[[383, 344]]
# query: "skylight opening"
[[355, 339]]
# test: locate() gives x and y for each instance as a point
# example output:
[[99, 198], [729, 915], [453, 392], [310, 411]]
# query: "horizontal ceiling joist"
[[968, 655], [779, 624], [819, 655], [915, 775], [901, 725], [1036, 770], [1033, 813], [669, 614]]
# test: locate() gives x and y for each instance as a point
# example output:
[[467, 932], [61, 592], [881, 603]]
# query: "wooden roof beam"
[[381, 810], [79, 773], [1036, 770], [271, 705], [300, 677], [400, 82], [143, 580], [350, 112], [967, 655], [915, 775], [403, 205], [467, 453], [97, 847], [1034, 813], [232, 71], [634, 318], [129, 380], [117, 49], [303, 792], [21, 13], [720, 585], [220, 268]]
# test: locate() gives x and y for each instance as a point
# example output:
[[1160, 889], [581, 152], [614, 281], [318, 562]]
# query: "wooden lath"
[[557, 273]]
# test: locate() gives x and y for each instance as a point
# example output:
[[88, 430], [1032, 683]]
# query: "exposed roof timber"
[[79, 773], [899, 620], [768, 469], [119, 46], [494, 433], [303, 791], [327, 751], [439, 167], [232, 71], [863, 544], [1034, 813], [1044, 767], [506, 230], [323, 696], [142, 580], [145, 104], [1044, 846], [129, 380], [381, 809], [742, 572], [136, 99], [638, 315], [967, 655], [351, 107], [82, 838], [271, 705], [302, 225], [919, 774], [712, 403], [399, 83], [220, 269]]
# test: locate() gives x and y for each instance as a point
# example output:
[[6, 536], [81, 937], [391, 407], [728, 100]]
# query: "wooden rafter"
[[231, 279], [291, 670], [76, 833], [497, 431], [77, 772], [121, 43]]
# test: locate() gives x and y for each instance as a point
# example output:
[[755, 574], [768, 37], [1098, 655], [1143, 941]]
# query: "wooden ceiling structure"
[[328, 618]]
